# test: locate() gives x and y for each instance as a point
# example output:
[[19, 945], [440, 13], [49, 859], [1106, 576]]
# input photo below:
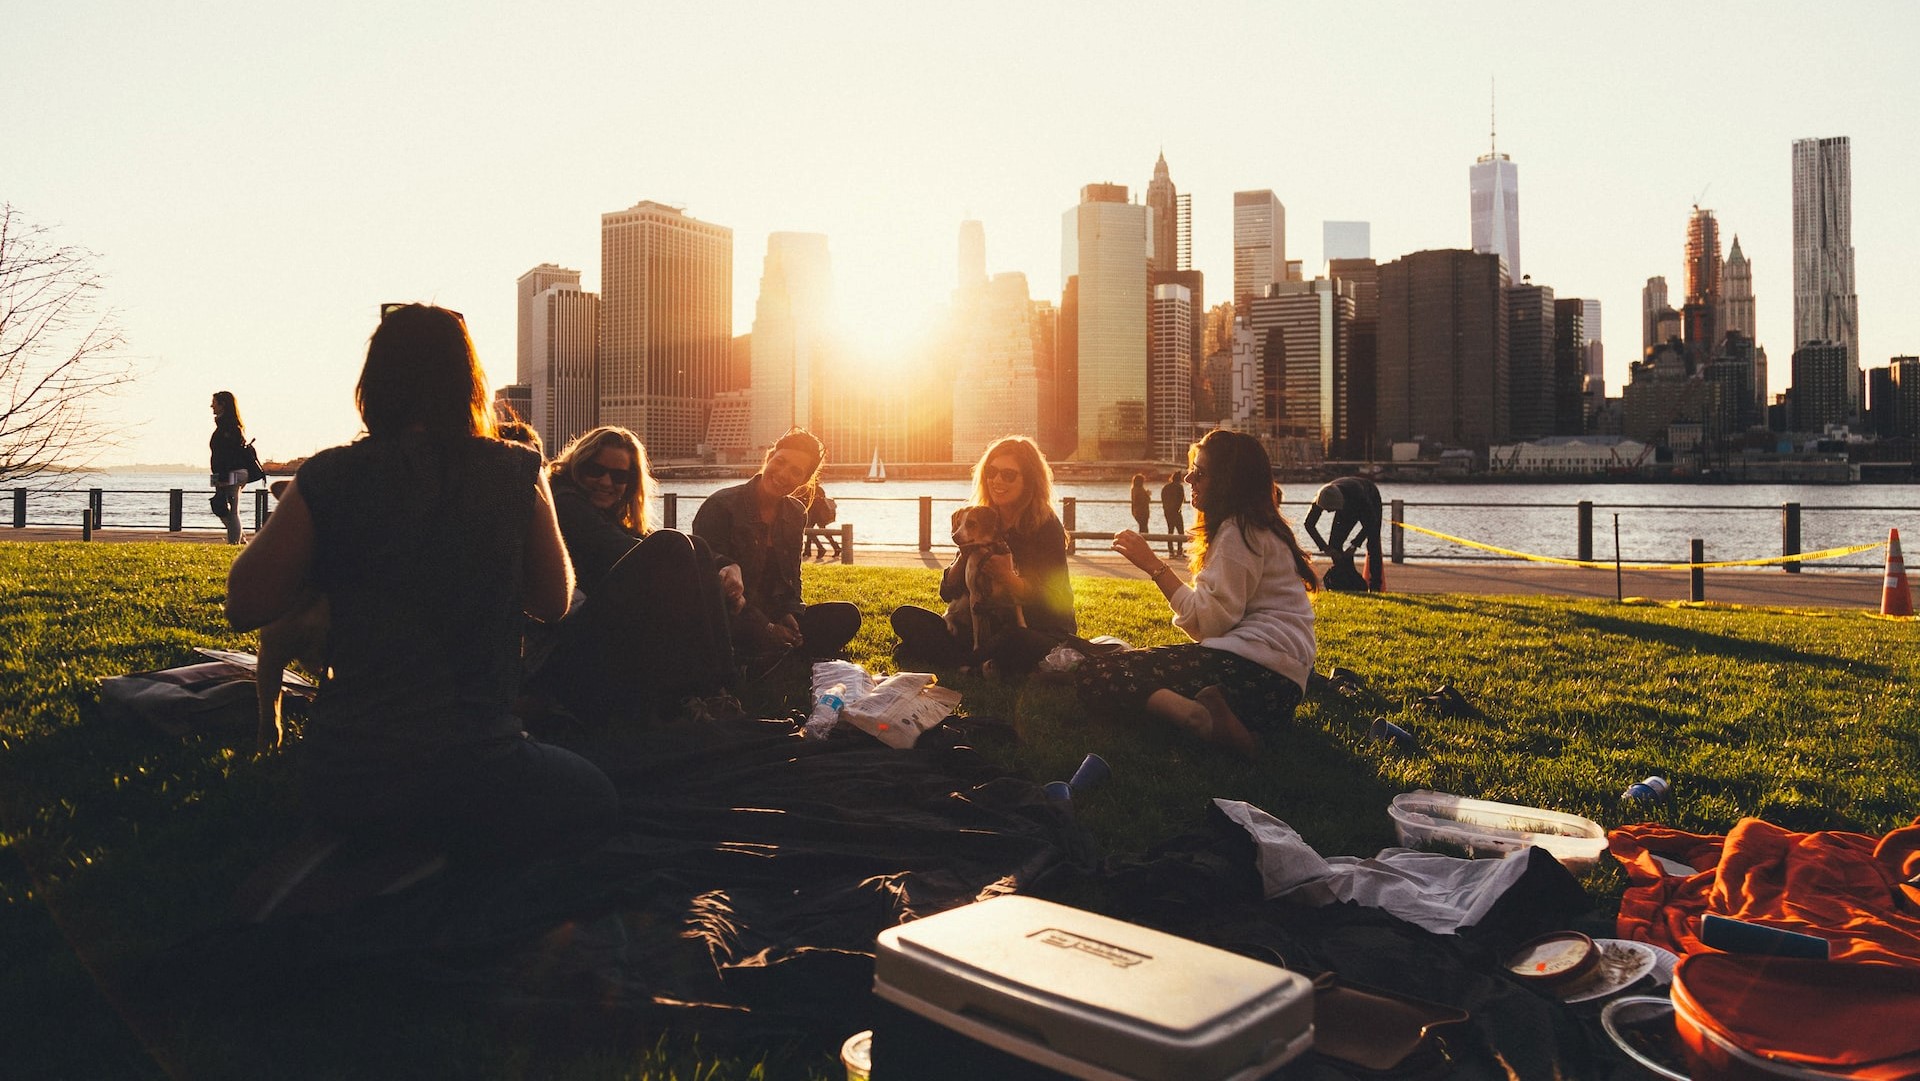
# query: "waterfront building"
[[1825, 306], [1570, 338], [1259, 243], [1105, 238], [1530, 361], [1442, 349], [564, 399], [1303, 330], [1494, 190], [791, 344], [1820, 380], [1363, 356], [1653, 301], [666, 324], [1243, 390], [1906, 396], [1345, 240], [1170, 374], [530, 285], [996, 389], [1194, 282], [1576, 454], [1663, 391], [730, 426], [1732, 367], [1704, 281], [971, 268], [1163, 220]]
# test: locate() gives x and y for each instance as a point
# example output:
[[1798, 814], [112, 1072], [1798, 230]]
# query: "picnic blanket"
[[1860, 893]]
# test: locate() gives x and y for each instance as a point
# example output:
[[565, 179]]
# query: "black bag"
[[217, 503], [829, 512], [255, 471]]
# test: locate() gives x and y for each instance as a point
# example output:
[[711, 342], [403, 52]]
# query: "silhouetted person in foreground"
[[1354, 503]]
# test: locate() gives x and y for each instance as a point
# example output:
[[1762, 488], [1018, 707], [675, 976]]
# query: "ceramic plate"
[[1621, 963]]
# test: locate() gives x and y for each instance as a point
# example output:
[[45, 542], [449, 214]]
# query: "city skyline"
[[314, 178]]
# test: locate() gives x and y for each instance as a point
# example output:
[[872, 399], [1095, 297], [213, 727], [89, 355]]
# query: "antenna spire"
[[1493, 117]]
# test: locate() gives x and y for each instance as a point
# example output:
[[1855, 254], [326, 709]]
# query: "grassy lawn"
[[119, 841]]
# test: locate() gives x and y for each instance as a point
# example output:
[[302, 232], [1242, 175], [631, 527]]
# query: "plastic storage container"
[[1480, 827], [1083, 996]]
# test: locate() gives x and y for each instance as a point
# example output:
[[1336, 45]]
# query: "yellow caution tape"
[[1827, 553]]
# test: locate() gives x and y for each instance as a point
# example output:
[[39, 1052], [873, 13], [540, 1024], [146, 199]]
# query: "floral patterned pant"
[[1122, 682]]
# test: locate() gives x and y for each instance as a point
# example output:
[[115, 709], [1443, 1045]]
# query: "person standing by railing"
[[228, 464], [1141, 504], [1173, 497]]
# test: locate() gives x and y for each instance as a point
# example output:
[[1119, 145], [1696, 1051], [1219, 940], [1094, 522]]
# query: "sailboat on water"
[[877, 472]]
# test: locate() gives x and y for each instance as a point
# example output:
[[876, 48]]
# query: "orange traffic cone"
[[1895, 598]]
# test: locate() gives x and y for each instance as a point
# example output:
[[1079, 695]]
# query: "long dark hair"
[[1240, 490], [229, 410], [421, 370]]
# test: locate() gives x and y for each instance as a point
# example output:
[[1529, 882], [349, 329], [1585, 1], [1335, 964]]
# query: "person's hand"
[[787, 630], [1136, 550], [733, 587], [1000, 570]]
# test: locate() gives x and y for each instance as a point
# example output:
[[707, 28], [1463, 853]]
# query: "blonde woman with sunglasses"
[[652, 629]]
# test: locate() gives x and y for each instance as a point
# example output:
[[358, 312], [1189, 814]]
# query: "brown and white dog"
[[300, 635], [987, 608]]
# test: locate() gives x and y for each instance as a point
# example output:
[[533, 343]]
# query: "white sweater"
[[1249, 602]]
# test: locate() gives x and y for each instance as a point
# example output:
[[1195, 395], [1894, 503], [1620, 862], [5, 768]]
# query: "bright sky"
[[256, 178]]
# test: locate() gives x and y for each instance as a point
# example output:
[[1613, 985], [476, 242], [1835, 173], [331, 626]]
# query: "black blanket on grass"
[[741, 898]]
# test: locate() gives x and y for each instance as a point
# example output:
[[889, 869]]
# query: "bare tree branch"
[[60, 352]]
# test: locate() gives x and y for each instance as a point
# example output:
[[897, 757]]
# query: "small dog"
[[980, 614], [300, 635]]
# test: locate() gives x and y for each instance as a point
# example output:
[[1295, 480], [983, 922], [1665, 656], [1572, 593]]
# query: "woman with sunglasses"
[[432, 541], [1013, 478], [759, 525], [652, 628], [1247, 609]]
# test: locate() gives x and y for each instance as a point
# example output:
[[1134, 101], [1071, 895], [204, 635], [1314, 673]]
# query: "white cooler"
[[1090, 997]]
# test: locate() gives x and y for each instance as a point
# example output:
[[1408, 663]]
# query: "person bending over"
[[1013, 478], [652, 628], [1354, 503], [1246, 610], [758, 525], [429, 539]]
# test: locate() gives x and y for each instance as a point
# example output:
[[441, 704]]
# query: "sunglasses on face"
[[1007, 475], [594, 471]]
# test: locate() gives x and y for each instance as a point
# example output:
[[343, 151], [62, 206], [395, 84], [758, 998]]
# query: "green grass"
[[121, 842]]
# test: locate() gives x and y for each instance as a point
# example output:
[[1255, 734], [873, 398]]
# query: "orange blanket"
[[1860, 893]]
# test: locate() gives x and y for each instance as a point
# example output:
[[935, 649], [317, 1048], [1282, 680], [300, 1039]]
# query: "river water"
[[1656, 521]]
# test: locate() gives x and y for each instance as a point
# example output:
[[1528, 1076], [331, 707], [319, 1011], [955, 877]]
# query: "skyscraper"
[[1825, 307], [1183, 231], [1493, 184], [1653, 301], [1819, 391], [1363, 276], [1303, 329], [1102, 244], [1530, 361], [1596, 356], [1443, 348], [1259, 243], [1163, 220], [565, 332], [1346, 240], [790, 335], [996, 390], [1736, 292], [1170, 374], [1569, 366], [1701, 313], [972, 269], [532, 284], [666, 310]]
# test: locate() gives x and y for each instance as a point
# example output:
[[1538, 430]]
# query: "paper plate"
[[251, 663], [1621, 963]]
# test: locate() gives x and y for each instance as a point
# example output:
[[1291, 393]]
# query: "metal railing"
[[97, 512]]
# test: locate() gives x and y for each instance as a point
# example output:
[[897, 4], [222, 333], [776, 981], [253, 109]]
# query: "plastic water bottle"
[[1650, 790], [826, 712]]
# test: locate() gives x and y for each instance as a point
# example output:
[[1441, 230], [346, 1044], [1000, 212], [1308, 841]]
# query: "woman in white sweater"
[[1247, 609]]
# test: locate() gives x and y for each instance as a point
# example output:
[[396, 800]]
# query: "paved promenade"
[[1771, 587]]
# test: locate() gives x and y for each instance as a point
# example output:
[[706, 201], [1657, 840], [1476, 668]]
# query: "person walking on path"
[[1142, 504], [228, 464], [1354, 503], [1247, 610], [1173, 498]]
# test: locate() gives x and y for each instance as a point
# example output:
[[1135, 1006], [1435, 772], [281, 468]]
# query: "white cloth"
[[1249, 602], [1439, 893]]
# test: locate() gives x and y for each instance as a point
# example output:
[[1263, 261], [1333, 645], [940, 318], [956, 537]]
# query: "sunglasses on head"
[[592, 470], [389, 309], [1008, 475]]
